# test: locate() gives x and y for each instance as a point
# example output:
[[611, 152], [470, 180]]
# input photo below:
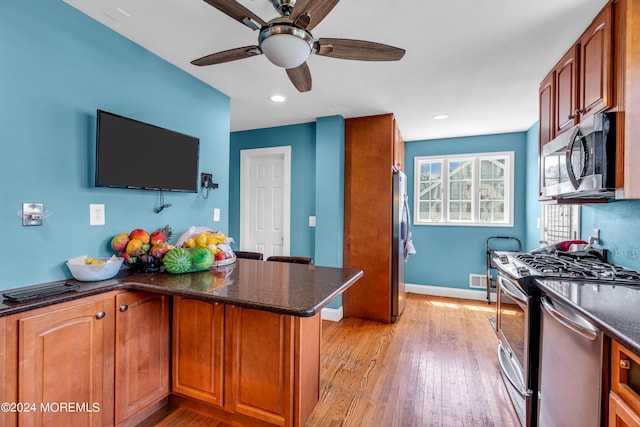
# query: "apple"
[[134, 247], [220, 255], [158, 250], [139, 234], [119, 242], [157, 237]]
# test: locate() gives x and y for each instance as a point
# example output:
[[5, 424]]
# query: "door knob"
[[100, 315], [124, 307]]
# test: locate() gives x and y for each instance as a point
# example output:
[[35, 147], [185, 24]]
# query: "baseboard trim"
[[442, 291], [332, 314]]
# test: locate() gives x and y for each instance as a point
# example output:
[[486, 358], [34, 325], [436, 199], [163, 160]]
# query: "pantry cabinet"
[[251, 366], [624, 397], [141, 352], [64, 355], [368, 200]]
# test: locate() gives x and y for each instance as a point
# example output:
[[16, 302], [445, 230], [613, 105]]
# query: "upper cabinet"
[[600, 72], [566, 92], [596, 65]]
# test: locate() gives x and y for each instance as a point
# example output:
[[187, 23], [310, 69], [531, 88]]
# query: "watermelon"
[[177, 261], [201, 258]]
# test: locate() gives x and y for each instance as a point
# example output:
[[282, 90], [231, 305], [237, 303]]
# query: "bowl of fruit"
[[89, 269]]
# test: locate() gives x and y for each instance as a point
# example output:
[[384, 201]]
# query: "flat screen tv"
[[133, 154]]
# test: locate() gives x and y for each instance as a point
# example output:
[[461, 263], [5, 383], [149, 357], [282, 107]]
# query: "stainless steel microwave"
[[580, 163]]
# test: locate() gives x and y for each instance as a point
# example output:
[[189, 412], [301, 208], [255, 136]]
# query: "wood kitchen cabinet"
[[566, 92], [368, 201], [608, 78], [584, 76], [249, 366], [624, 398], [64, 354], [596, 65], [141, 354], [198, 350]]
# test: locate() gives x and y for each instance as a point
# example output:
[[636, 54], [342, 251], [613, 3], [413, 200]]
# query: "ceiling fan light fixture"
[[285, 46], [441, 116]]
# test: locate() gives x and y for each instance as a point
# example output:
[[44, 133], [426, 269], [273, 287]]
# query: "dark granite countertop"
[[615, 309], [291, 289]]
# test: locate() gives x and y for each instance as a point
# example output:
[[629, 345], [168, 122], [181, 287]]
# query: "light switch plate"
[[312, 221], [216, 215], [96, 214]]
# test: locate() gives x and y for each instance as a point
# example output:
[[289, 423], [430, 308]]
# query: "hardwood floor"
[[436, 366]]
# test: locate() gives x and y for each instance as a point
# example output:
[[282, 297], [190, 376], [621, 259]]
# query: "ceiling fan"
[[287, 42]]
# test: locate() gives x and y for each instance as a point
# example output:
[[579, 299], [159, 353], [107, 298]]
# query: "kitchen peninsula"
[[244, 347]]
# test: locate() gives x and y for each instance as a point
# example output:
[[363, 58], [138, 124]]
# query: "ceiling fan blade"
[[228, 55], [316, 9], [358, 50], [300, 77], [238, 12]]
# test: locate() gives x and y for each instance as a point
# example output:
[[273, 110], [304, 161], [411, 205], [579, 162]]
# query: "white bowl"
[[94, 272]]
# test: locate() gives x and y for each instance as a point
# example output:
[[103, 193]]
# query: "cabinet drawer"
[[625, 375]]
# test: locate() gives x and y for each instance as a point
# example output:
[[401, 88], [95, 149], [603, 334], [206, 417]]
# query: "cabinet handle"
[[124, 307], [576, 113], [625, 364], [100, 315]]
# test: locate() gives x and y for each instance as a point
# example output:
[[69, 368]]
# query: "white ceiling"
[[478, 60]]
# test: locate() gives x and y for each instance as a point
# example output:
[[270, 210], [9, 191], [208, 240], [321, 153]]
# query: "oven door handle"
[[586, 330], [503, 362], [508, 288]]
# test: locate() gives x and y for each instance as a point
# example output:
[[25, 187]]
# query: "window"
[[559, 222], [470, 189]]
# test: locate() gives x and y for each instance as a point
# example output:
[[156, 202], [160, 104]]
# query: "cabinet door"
[[566, 79], [596, 74], [198, 344], [625, 375], [621, 414], [7, 387], [546, 101], [398, 147], [260, 370], [61, 355], [142, 352]]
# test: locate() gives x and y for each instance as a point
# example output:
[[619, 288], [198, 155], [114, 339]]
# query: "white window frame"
[[475, 198]]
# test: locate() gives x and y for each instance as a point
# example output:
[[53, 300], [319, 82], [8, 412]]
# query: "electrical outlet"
[[216, 215], [312, 221], [96, 214]]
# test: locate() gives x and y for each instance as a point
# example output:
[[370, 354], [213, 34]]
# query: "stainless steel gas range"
[[520, 314]]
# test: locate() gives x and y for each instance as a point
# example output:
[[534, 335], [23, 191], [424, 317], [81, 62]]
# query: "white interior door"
[[265, 191]]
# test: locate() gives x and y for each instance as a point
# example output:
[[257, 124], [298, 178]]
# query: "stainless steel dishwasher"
[[570, 373]]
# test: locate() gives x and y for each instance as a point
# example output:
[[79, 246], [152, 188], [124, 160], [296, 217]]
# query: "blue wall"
[[58, 67], [619, 224], [533, 209], [302, 139], [446, 255]]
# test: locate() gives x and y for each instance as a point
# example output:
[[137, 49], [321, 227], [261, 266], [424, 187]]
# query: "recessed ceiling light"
[[278, 98], [441, 116]]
